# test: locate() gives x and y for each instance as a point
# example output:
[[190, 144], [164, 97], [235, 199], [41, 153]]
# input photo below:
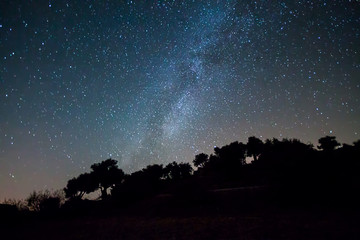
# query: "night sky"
[[148, 82]]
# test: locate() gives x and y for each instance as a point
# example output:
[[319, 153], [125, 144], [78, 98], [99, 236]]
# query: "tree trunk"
[[103, 193]]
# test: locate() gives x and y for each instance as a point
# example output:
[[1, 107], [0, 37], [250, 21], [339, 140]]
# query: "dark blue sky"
[[157, 81]]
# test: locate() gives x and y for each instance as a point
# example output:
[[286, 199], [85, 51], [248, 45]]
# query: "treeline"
[[291, 169]]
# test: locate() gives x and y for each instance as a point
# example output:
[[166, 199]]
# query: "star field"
[[149, 82]]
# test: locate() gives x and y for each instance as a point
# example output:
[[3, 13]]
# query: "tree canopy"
[[200, 160], [288, 162], [328, 143], [106, 174]]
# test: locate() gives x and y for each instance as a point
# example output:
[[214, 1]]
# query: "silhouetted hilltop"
[[283, 177]]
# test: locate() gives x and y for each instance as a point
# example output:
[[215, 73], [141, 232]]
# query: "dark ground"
[[226, 216]]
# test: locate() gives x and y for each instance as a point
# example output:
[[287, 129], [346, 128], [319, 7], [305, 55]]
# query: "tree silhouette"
[[357, 144], [254, 147], [295, 169], [153, 173], [328, 143], [107, 175], [139, 184], [200, 160], [77, 187], [232, 155], [175, 171]]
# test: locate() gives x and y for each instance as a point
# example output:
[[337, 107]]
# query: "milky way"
[[149, 82]]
